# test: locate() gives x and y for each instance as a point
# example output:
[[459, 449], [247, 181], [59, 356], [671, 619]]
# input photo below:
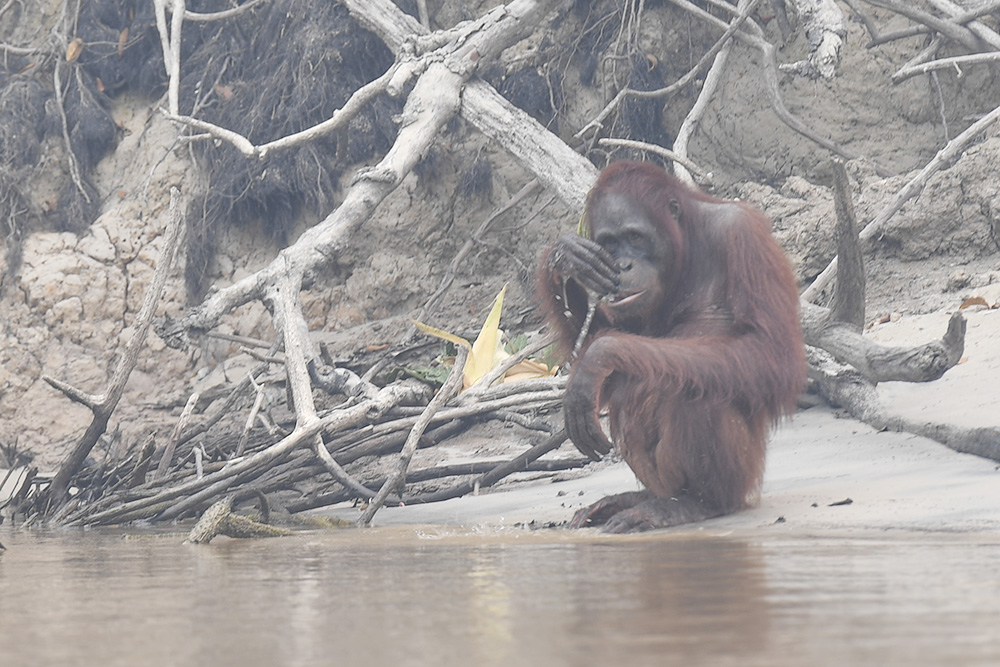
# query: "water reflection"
[[399, 596]]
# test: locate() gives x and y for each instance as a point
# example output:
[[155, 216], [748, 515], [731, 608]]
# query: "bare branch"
[[219, 16], [843, 386], [109, 400], [338, 120], [450, 387], [825, 30], [945, 63], [703, 176], [949, 29], [910, 190], [702, 63], [755, 38], [170, 43], [849, 292], [168, 452], [958, 13]]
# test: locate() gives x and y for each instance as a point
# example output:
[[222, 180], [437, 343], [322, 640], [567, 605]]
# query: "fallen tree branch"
[[437, 472], [157, 502], [432, 102], [825, 30], [496, 474], [884, 363], [949, 29], [849, 293], [957, 15], [168, 452], [838, 330], [450, 387], [844, 387], [945, 63], [910, 190], [879, 38], [103, 405]]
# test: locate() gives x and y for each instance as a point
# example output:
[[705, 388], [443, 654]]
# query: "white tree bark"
[[825, 29]]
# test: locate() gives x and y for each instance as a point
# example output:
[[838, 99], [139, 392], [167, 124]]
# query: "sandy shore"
[[895, 481]]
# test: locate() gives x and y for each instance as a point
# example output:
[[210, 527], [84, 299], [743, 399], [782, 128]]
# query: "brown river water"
[[433, 596]]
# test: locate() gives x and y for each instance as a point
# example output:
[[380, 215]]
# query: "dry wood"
[[910, 190], [168, 452], [478, 468], [694, 116], [949, 29], [598, 122], [883, 38], [834, 340], [849, 293], [701, 176], [395, 481], [838, 330], [955, 63], [845, 387], [825, 29], [433, 101], [103, 405], [884, 363], [152, 505], [197, 17], [520, 462], [957, 13], [337, 121]]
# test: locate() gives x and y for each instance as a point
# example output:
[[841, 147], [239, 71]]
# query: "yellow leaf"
[[488, 348], [441, 333], [529, 369]]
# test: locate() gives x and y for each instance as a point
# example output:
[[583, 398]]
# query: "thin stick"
[[944, 63], [218, 16], [338, 120], [610, 107], [949, 29], [585, 329], [702, 175], [103, 405], [258, 401], [168, 452], [493, 476], [450, 388]]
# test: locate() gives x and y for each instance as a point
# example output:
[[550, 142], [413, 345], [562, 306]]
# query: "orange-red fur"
[[693, 390]]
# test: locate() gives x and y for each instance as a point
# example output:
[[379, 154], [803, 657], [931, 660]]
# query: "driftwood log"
[[845, 367]]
